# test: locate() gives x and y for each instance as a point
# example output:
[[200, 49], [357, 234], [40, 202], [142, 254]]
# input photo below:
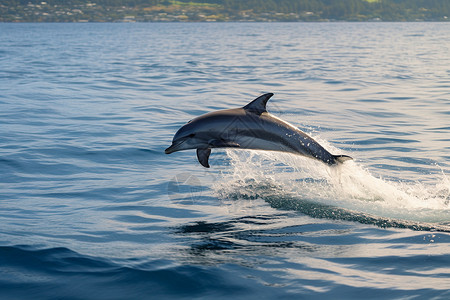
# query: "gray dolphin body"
[[249, 127]]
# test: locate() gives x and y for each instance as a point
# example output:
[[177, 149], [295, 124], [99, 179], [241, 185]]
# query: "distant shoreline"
[[215, 22], [126, 11]]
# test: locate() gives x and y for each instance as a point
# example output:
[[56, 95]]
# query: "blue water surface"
[[92, 208]]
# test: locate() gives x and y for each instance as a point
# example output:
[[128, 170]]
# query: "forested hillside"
[[223, 10]]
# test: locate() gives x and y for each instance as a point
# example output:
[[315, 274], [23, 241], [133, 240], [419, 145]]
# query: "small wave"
[[60, 272]]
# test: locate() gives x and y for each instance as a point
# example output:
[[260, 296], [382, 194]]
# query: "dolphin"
[[249, 127]]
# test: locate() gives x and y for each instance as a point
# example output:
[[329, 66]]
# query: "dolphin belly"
[[256, 143]]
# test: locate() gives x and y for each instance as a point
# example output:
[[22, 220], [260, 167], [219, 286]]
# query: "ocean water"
[[92, 208]]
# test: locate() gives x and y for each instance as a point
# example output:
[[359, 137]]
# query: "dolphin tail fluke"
[[342, 158], [203, 156]]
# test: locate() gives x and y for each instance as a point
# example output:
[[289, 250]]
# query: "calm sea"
[[92, 208]]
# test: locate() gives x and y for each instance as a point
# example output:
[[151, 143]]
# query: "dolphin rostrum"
[[249, 127]]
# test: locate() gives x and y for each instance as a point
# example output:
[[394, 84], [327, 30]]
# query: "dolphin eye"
[[192, 135]]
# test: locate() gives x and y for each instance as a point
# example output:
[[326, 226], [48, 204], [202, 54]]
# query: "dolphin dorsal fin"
[[258, 106]]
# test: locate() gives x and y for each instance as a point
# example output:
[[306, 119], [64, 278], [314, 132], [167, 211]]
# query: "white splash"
[[260, 174]]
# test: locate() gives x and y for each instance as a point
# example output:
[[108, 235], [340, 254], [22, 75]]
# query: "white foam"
[[258, 174]]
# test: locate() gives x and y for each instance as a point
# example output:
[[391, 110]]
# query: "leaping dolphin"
[[249, 127]]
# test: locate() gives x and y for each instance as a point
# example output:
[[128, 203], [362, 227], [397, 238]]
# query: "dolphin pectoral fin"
[[223, 144], [258, 106], [203, 156], [342, 158]]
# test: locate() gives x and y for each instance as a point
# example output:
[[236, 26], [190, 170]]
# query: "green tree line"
[[387, 10]]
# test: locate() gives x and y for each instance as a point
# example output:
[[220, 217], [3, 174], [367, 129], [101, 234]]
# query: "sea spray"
[[299, 183]]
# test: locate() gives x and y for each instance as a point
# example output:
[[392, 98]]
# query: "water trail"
[[348, 191]]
